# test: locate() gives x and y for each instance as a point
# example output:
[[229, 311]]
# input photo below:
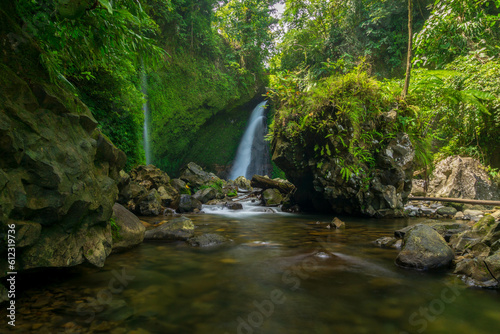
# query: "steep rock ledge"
[[58, 173]]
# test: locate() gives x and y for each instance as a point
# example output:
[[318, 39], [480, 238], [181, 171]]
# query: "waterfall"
[[252, 156], [145, 110]]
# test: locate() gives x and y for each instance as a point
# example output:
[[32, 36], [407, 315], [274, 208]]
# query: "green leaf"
[[107, 5]]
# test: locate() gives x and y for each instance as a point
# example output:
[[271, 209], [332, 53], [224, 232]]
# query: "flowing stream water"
[[281, 273], [253, 152]]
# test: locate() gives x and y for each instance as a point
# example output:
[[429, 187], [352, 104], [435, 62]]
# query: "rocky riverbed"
[[470, 246]]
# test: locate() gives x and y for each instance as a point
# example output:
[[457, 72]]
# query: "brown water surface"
[[281, 273]]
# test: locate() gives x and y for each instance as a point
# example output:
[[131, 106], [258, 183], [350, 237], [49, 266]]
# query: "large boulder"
[[188, 204], [324, 183], [424, 249], [196, 177], [150, 205], [127, 231], [58, 172], [147, 191], [178, 229], [205, 195], [460, 177], [272, 197], [243, 183], [149, 176]]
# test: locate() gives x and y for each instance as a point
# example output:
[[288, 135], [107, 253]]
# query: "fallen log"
[[455, 200], [259, 181]]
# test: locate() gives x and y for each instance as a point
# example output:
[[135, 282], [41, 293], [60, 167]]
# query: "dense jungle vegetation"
[[199, 62]]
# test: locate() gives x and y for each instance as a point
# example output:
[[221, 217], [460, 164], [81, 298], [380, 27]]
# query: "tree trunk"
[[455, 200], [408, 58], [266, 183]]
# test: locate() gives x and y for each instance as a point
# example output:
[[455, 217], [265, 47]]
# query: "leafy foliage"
[[319, 31], [338, 117], [456, 28]]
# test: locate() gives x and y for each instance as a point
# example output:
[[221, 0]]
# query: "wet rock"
[[446, 211], [169, 196], [465, 240], [479, 250], [379, 191], [400, 234], [485, 224], [150, 205], [475, 273], [56, 169], [459, 215], [27, 233], [178, 229], [459, 177], [180, 186], [243, 183], [130, 194], [336, 224], [473, 214], [146, 190], [493, 234], [149, 176], [493, 263], [385, 242], [197, 177], [234, 206], [188, 204], [207, 240], [424, 249], [272, 197], [205, 195], [129, 231]]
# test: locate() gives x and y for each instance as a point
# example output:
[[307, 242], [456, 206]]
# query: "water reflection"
[[281, 273]]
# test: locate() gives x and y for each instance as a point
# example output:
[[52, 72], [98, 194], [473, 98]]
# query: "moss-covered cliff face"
[[57, 171], [199, 107]]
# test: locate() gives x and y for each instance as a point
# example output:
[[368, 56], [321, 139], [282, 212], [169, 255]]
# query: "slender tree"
[[408, 57]]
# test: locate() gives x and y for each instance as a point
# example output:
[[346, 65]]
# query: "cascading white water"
[[145, 110], [247, 164]]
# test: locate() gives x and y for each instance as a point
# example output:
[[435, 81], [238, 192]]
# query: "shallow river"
[[281, 273]]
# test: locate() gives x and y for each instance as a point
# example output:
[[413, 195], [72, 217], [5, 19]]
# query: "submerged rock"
[[207, 240], [177, 229], [129, 230], [424, 249], [385, 242], [234, 206], [336, 224]]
